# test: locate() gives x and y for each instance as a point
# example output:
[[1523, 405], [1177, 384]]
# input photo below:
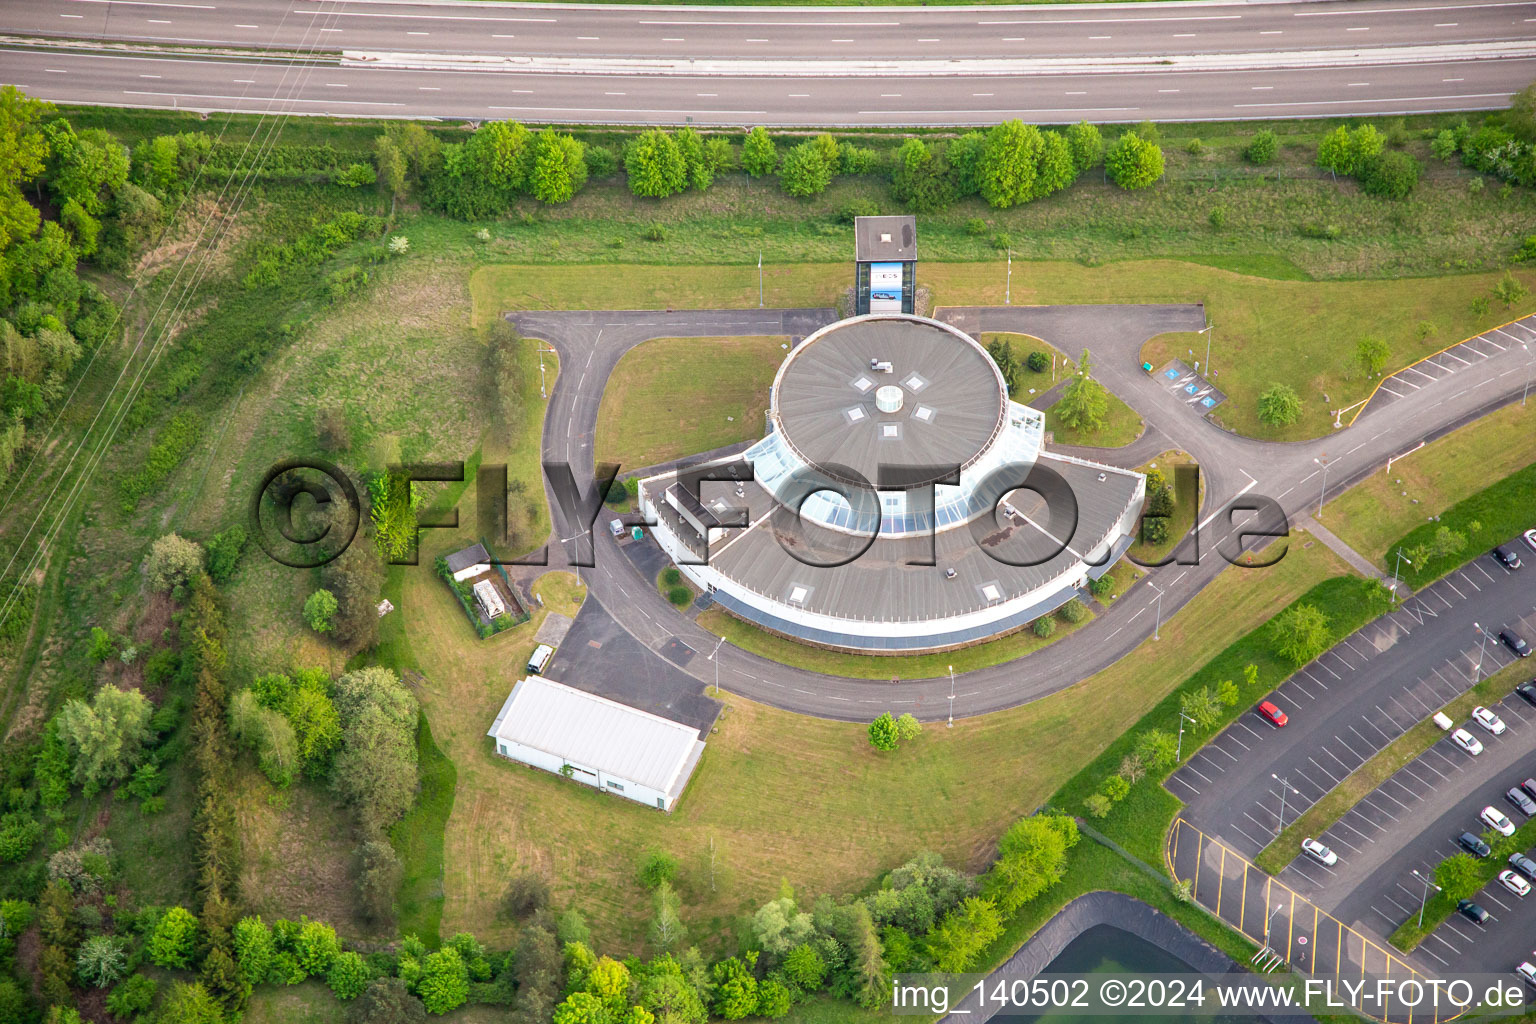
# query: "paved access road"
[[590, 344], [1353, 701], [740, 65]]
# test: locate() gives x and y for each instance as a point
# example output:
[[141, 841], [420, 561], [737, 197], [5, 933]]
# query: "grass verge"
[[1337, 801], [1439, 906], [659, 406], [418, 841], [1384, 506], [1121, 425], [1489, 517]]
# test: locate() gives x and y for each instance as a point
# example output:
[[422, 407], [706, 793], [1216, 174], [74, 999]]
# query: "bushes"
[[174, 939], [1043, 627], [655, 165], [759, 155], [1133, 162], [1390, 175], [1279, 405], [806, 170], [171, 445], [1263, 147]]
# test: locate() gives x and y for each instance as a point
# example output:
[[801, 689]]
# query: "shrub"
[[1097, 804], [1038, 361], [1134, 162], [102, 961], [355, 176], [348, 976], [134, 996], [1102, 586], [856, 208], [444, 983], [1263, 147], [1194, 147], [805, 171], [173, 560], [1279, 405], [224, 551], [679, 596], [319, 610], [1217, 217], [1086, 144], [601, 163], [19, 832], [1074, 611], [759, 156], [1509, 290], [1389, 175], [655, 165], [655, 233], [174, 939], [1445, 144], [1372, 354], [882, 732], [527, 893], [1044, 627]]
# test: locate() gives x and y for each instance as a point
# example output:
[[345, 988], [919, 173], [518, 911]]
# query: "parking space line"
[[1322, 769]]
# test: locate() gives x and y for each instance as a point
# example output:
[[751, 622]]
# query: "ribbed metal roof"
[[595, 732]]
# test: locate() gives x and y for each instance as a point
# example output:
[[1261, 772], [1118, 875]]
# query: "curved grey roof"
[[953, 402]]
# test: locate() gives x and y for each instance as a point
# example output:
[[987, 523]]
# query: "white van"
[[539, 659], [1443, 720]]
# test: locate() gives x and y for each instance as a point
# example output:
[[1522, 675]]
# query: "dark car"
[[1521, 799], [1472, 912], [1474, 844], [1508, 557], [1529, 785], [1527, 690], [1523, 864], [1515, 643]]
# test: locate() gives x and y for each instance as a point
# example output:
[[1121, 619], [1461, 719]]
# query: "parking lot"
[[1191, 386], [1358, 697], [1410, 823], [1489, 344]]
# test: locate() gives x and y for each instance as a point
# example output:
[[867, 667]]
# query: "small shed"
[[488, 599], [596, 741], [472, 561]]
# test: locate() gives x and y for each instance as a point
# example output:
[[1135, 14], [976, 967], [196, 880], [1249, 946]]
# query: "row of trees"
[[1361, 153]]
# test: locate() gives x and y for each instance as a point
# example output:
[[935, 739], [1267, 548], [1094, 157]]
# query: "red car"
[[1272, 714]]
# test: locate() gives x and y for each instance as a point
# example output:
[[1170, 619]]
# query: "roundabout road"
[[591, 343]]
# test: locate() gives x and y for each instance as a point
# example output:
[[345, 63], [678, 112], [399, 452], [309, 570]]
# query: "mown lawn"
[[1492, 516], [673, 397], [1121, 425], [1374, 513]]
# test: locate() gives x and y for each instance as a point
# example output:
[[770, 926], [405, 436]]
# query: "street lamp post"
[[1268, 919], [951, 724], [1528, 369], [1209, 329], [1428, 885], [1285, 787], [1482, 646], [759, 280], [1397, 568], [1325, 462], [1008, 285], [714, 656], [1157, 621], [1178, 754]]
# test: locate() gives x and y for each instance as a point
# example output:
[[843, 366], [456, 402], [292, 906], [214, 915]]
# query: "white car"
[[1319, 852], [1495, 819], [1488, 720], [1527, 971], [1466, 741], [1530, 538], [1514, 883]]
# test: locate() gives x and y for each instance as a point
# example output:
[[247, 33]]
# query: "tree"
[[1086, 144], [107, 736], [1084, 402], [173, 561], [527, 893], [1445, 543], [190, 1004], [254, 949], [1226, 692], [908, 727], [804, 966], [759, 156], [1056, 169], [558, 167], [1031, 857], [1006, 165], [315, 947], [86, 167], [805, 171], [224, 551], [1007, 363], [779, 926], [319, 610], [665, 991], [882, 732], [1201, 705], [582, 1008], [965, 931], [1133, 162], [735, 987], [316, 729], [174, 939], [1279, 405], [102, 961], [1301, 634], [1459, 877], [392, 166], [444, 982], [375, 767], [348, 976], [667, 928], [655, 165], [1390, 175], [133, 997], [1157, 749], [773, 999], [23, 153], [657, 867], [923, 180], [1263, 147], [1372, 353], [1509, 290], [386, 1001], [701, 174], [1334, 153]]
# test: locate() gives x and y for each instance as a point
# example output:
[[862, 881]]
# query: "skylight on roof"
[[854, 415], [923, 413], [862, 384]]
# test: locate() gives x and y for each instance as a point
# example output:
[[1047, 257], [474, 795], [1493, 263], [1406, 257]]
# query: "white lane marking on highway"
[[496, 35], [613, 94], [981, 94], [1382, 99], [1262, 88], [245, 81], [56, 71], [707, 95], [928, 40], [589, 39], [1445, 24], [779, 24], [1015, 39], [842, 40], [428, 88], [1106, 21], [1271, 32], [890, 95], [335, 85], [422, 17], [149, 3], [1408, 10], [1358, 28], [756, 40], [1167, 90], [149, 76], [1015, 112], [672, 39], [294, 99], [330, 30], [71, 15], [1358, 85], [1077, 94], [1183, 35], [799, 95], [158, 21], [247, 26], [418, 33]]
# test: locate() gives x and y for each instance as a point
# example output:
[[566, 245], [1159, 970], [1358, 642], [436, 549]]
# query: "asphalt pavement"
[[744, 65]]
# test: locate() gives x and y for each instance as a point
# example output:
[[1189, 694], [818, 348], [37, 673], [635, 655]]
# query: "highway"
[[780, 66]]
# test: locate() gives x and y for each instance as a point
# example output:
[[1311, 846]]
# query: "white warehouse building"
[[892, 438], [596, 741]]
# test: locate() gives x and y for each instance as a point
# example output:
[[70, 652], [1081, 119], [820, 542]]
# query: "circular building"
[[899, 502]]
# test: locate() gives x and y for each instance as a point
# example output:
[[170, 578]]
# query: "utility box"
[[885, 264]]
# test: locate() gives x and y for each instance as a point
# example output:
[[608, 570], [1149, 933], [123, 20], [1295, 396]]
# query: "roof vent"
[[885, 236], [888, 398], [881, 365]]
